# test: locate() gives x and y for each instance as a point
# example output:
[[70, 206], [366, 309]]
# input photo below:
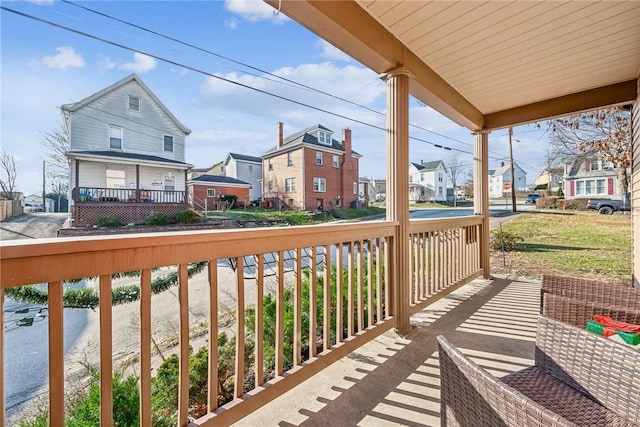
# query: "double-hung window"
[[115, 138], [319, 185], [168, 143], [289, 159], [335, 162], [211, 192], [319, 158], [290, 185], [270, 164], [133, 103]]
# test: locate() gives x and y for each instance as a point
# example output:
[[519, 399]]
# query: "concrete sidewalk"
[[392, 381]]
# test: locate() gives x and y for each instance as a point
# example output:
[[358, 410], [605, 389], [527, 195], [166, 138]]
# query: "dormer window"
[[133, 103], [324, 137]]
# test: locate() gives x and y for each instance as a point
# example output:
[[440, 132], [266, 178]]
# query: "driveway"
[[32, 226]]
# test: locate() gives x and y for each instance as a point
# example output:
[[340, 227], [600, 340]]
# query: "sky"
[[190, 53]]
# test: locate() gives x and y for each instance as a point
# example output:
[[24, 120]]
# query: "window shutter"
[[572, 188], [587, 166], [610, 186]]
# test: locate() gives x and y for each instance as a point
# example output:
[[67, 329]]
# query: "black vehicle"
[[256, 203], [531, 198], [609, 206]]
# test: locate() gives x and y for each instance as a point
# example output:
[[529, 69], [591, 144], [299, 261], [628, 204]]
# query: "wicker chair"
[[599, 293], [579, 379], [578, 312]]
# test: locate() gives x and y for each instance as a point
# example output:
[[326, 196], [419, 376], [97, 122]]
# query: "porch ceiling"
[[491, 64]]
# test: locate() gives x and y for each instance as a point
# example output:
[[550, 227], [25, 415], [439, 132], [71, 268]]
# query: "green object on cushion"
[[632, 338]]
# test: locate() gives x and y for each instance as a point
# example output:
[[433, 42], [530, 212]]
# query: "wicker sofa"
[[576, 301], [579, 379]]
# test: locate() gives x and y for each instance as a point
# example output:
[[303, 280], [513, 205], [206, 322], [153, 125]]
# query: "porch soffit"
[[491, 64]]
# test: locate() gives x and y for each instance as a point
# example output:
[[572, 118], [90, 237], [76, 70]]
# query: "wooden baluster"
[[145, 348], [240, 333], [183, 344], [56, 355], [106, 351], [212, 367], [260, 320]]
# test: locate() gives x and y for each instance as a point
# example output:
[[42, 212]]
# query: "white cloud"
[[329, 51], [107, 63], [232, 23], [254, 11], [41, 2], [67, 57], [141, 63]]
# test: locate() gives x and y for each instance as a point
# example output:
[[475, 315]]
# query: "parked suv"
[[531, 198]]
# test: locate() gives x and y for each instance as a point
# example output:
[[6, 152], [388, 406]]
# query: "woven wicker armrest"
[[602, 369], [590, 290], [470, 396], [578, 312]]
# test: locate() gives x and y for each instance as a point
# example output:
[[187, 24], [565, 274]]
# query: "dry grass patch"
[[577, 244]]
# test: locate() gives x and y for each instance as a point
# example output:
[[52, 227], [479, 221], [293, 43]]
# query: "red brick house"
[[310, 170], [207, 191]]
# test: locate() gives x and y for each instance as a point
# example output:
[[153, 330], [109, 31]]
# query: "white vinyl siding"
[[319, 185], [140, 134]]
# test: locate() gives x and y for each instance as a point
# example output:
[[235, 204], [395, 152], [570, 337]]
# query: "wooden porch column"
[[138, 183], [398, 191], [481, 193]]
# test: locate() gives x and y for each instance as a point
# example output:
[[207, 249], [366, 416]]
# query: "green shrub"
[[109, 221], [560, 193], [558, 203], [541, 187], [186, 216], [498, 238], [157, 218]]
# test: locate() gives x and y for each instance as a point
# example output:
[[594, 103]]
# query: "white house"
[[125, 146], [247, 169], [589, 177], [500, 180], [428, 182]]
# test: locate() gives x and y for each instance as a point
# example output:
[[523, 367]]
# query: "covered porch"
[[389, 271]]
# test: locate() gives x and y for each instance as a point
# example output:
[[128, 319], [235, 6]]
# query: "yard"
[[570, 244]]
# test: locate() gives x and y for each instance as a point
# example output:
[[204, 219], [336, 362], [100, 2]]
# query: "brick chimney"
[[280, 135], [346, 143]]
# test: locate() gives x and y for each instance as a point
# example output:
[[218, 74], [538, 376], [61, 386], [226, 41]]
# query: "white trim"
[[129, 98], [114, 127]]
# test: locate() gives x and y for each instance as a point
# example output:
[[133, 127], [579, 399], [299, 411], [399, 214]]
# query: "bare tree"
[[56, 144], [455, 171], [8, 175], [604, 133]]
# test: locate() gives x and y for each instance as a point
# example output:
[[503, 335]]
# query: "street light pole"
[[44, 209], [513, 181]]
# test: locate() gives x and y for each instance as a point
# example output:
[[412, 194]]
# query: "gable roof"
[[428, 166], [130, 156], [130, 78], [307, 137], [503, 169], [244, 158], [218, 179]]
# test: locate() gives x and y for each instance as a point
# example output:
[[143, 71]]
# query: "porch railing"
[[124, 195], [337, 276]]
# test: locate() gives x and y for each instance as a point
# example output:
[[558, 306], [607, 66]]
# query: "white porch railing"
[[343, 314]]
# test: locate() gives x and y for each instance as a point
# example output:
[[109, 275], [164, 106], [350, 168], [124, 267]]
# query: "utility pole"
[[513, 180], [44, 205]]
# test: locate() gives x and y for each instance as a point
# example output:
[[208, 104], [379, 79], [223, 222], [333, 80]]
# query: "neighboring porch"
[[130, 205], [393, 381]]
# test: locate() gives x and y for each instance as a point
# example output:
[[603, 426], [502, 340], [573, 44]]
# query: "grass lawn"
[[576, 244]]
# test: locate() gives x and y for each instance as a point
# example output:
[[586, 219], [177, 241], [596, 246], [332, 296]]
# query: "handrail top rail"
[[434, 224]]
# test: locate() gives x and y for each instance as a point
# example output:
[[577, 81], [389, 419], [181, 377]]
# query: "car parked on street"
[[531, 198]]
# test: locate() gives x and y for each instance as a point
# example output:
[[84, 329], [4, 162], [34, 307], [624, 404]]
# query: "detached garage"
[[210, 192]]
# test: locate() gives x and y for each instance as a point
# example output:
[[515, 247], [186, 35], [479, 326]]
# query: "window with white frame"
[[133, 103], [290, 185], [115, 178], [270, 164], [600, 183], [168, 143], [270, 186], [579, 188], [290, 159], [595, 165], [319, 158], [250, 169], [336, 163], [588, 187], [440, 176], [421, 177], [211, 192], [355, 188], [115, 138], [319, 185], [324, 137]]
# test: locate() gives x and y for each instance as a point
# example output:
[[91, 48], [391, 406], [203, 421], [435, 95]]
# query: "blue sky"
[[44, 67]]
